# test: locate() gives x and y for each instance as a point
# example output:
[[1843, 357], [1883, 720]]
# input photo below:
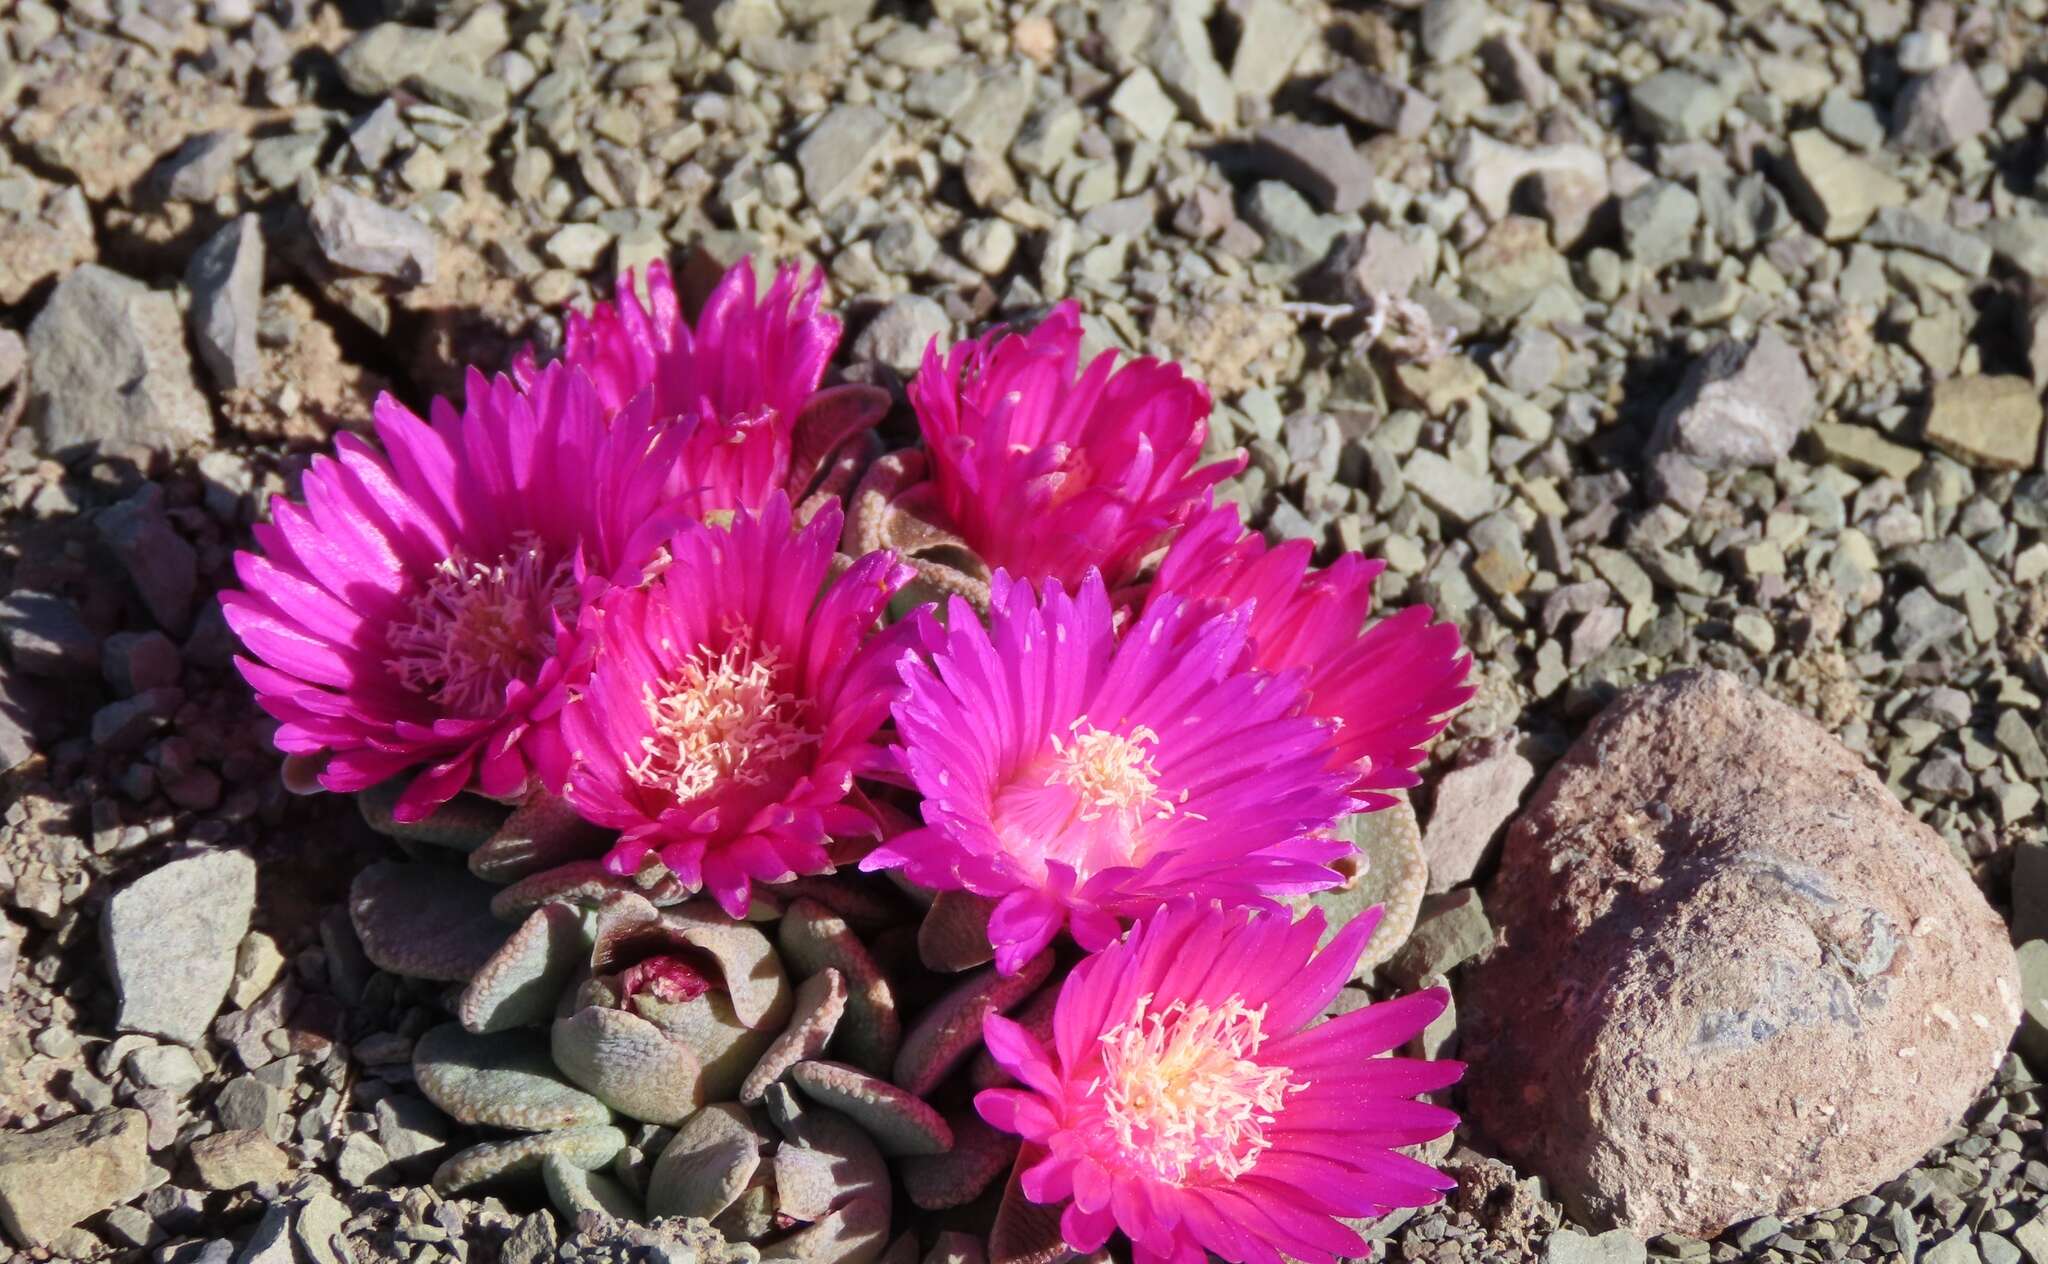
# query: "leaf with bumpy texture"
[[853, 1234], [900, 1124], [574, 1190], [629, 1064], [951, 1028], [522, 982], [542, 833], [820, 1000], [978, 1159], [462, 823], [506, 1080], [1395, 872], [708, 1163], [954, 934], [812, 938], [588, 1147], [424, 921]]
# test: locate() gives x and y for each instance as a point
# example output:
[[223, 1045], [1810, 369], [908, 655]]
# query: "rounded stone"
[[1736, 976]]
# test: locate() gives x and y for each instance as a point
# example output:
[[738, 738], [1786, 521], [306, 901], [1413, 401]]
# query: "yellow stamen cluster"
[[1183, 1093], [1110, 772], [725, 719]]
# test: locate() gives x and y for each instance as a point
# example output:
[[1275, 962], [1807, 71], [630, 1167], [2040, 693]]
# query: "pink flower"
[[1082, 778], [732, 700], [409, 611], [747, 376], [1044, 473], [1386, 691], [1191, 1100]]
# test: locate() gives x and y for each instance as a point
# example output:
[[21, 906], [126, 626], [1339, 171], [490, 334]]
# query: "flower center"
[[665, 978], [477, 626], [726, 719], [1182, 1092], [1109, 772]]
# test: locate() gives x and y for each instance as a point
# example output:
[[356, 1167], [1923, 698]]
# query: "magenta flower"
[[746, 375], [1046, 473], [1189, 1101], [732, 700], [1386, 691], [410, 611], [1082, 778]]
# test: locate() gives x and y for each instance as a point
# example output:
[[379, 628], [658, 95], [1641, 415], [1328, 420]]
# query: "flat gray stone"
[[361, 235], [1616, 1246], [108, 368], [1936, 112], [1320, 161], [1896, 226], [162, 565], [1740, 404], [45, 636], [52, 1179], [1677, 106], [1378, 101], [226, 280], [170, 939], [1180, 53], [1449, 489], [1835, 190], [840, 151]]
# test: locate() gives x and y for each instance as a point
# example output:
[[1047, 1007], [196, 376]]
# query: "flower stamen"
[[724, 719], [1182, 1093], [1110, 772], [477, 626]]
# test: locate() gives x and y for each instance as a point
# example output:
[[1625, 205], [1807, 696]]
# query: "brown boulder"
[[1735, 977]]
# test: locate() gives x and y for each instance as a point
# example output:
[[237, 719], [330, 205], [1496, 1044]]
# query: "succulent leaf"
[[1025, 1232], [522, 982], [950, 1028], [900, 1123], [629, 1064], [853, 1234], [542, 833], [424, 921], [979, 1158], [574, 1190], [583, 882], [505, 1080], [463, 823], [587, 1147], [954, 934], [1392, 872], [708, 1164], [814, 938], [820, 1000]]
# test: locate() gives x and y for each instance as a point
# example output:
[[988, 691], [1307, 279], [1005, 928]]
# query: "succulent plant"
[[662, 726], [791, 1079]]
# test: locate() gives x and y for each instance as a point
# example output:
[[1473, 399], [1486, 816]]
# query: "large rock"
[[171, 937], [51, 1180], [1735, 977], [1740, 404], [108, 368]]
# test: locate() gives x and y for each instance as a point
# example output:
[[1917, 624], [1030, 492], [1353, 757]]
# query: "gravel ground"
[[1633, 335]]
